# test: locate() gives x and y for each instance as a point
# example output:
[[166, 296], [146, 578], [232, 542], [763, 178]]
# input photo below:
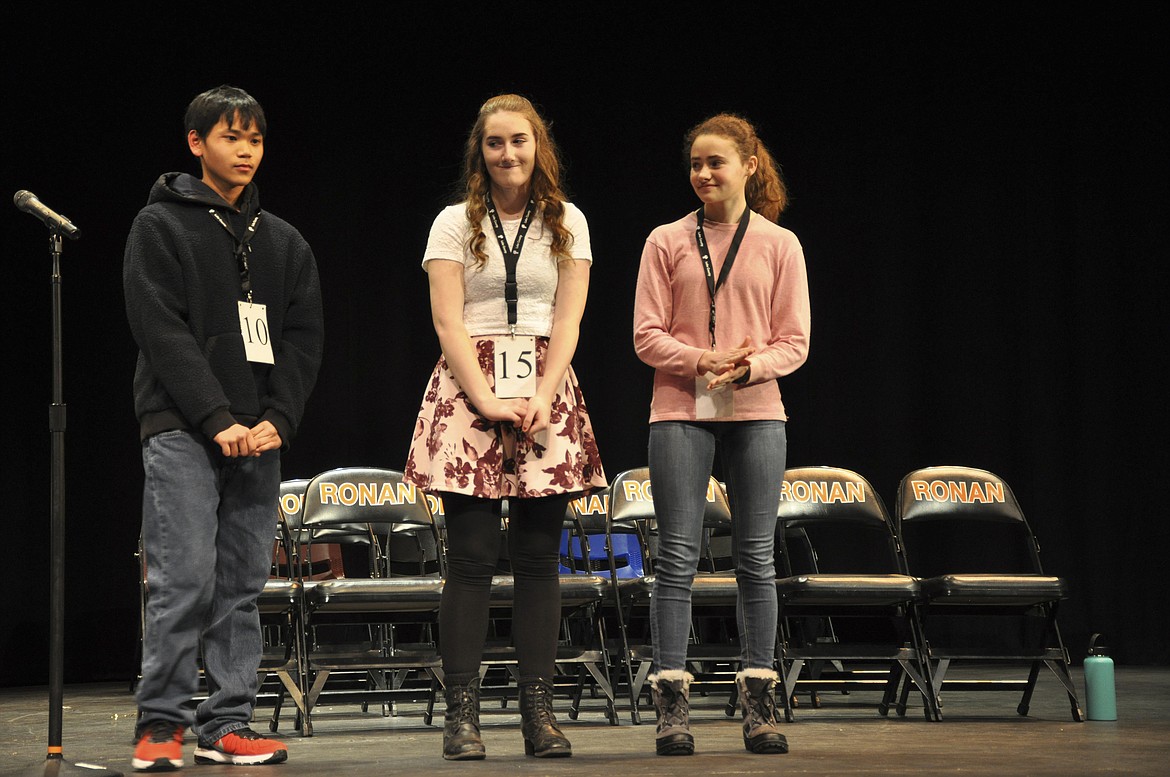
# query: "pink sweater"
[[765, 296]]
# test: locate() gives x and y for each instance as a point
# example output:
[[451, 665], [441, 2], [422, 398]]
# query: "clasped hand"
[[238, 440], [727, 366], [529, 415]]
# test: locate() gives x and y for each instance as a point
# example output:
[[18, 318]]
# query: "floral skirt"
[[455, 449]]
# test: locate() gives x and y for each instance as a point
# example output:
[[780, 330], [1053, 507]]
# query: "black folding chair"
[[377, 504], [988, 598], [859, 578]]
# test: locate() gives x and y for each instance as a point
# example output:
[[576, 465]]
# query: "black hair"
[[225, 102]]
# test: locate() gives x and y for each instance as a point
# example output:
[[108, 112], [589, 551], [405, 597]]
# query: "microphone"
[[28, 202]]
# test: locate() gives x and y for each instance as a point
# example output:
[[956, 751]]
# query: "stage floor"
[[980, 735]]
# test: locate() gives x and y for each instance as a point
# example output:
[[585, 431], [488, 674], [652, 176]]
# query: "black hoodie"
[[181, 279]]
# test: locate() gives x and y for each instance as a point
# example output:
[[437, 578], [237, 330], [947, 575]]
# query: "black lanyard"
[[242, 250], [511, 255], [709, 269]]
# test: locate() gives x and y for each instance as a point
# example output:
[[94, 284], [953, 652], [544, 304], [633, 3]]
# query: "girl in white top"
[[503, 416]]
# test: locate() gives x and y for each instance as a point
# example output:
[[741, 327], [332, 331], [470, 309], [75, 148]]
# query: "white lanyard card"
[[515, 366], [254, 329], [717, 403]]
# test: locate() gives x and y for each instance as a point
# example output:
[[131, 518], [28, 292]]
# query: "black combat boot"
[[461, 740], [542, 738]]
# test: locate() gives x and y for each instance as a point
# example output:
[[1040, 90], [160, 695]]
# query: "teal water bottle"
[[1100, 691]]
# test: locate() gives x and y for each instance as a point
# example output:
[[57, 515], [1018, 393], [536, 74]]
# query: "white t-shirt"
[[484, 309]]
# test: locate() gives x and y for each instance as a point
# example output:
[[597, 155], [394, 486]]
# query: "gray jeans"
[[208, 525], [681, 457]]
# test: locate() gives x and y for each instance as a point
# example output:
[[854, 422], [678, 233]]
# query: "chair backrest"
[[373, 501], [315, 562], [832, 520], [631, 499], [292, 495], [956, 520], [631, 508]]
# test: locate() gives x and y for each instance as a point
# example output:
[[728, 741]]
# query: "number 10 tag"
[[515, 367], [254, 328]]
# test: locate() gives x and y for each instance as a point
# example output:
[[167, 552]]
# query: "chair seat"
[[706, 589], [993, 589], [278, 596], [637, 588], [391, 594], [576, 590], [714, 589], [828, 589]]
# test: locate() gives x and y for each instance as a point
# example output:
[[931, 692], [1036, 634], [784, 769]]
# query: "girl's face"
[[718, 175], [509, 150]]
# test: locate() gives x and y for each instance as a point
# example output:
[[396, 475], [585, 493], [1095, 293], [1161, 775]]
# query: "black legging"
[[473, 548]]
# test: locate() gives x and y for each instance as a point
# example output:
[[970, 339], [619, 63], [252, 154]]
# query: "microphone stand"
[[55, 764]]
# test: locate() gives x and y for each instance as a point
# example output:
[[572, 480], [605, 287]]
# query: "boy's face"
[[229, 154]]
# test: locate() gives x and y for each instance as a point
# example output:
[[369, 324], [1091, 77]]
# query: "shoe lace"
[[762, 706], [247, 733], [675, 707], [467, 710], [767, 709], [540, 699]]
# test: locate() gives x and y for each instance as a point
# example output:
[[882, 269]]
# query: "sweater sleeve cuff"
[[746, 378], [691, 356], [215, 423], [282, 426]]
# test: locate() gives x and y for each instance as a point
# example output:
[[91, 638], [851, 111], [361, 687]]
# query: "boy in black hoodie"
[[224, 302]]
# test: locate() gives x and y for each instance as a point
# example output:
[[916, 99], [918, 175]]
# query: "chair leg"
[[1026, 700], [639, 682], [274, 721], [429, 715], [789, 675], [732, 705], [1061, 671], [1061, 667]]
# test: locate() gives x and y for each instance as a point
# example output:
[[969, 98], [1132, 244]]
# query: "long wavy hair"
[[765, 190], [545, 182]]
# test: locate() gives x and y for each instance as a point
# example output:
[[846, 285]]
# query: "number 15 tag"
[[515, 367], [254, 328]]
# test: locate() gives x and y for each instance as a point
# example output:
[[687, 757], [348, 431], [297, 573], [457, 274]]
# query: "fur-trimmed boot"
[[461, 740], [757, 700], [542, 738], [671, 692]]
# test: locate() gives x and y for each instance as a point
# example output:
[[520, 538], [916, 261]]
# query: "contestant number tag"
[[719, 403], [515, 367], [254, 328]]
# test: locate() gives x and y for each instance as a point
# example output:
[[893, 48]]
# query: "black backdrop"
[[981, 195]]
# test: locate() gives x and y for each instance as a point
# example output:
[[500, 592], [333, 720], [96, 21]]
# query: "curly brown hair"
[[765, 191], [546, 186]]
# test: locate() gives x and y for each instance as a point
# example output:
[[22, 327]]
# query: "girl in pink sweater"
[[721, 312]]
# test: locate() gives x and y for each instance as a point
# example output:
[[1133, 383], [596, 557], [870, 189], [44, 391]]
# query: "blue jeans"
[[681, 457], [208, 525]]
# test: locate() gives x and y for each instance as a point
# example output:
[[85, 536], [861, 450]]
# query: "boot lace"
[[761, 706], [463, 706], [541, 704], [674, 708]]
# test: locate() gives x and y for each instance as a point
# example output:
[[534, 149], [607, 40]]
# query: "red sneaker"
[[242, 746], [160, 748]]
